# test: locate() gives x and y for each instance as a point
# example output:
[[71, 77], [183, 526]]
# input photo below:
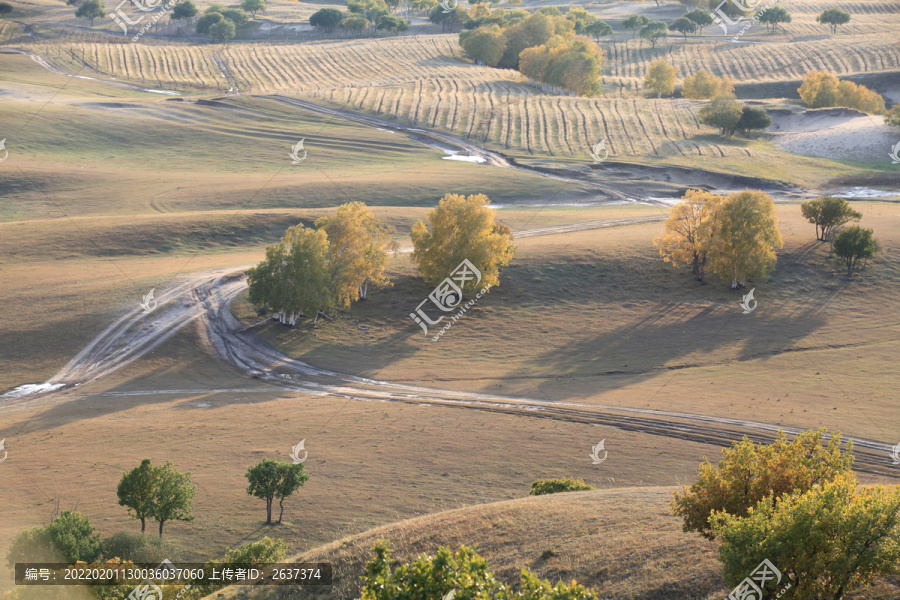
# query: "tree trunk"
[[268, 511], [160, 528], [281, 506], [143, 524]]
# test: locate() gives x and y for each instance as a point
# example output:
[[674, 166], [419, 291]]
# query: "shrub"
[[555, 486], [135, 547]]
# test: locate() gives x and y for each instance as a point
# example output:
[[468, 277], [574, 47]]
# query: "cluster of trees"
[[821, 89], [851, 244], [833, 17], [157, 492], [798, 504], [221, 23], [362, 15], [465, 573], [311, 271], [734, 237], [545, 46], [314, 270]]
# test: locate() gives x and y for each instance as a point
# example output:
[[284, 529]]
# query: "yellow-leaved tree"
[[660, 78], [462, 228], [682, 242], [704, 85], [743, 236], [358, 245]]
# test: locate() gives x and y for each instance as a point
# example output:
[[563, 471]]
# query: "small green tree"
[[826, 542], [33, 545], [253, 6], [184, 10], [723, 112], [271, 479], [684, 26], [91, 9], [223, 30], [853, 244], [205, 23], [555, 486], [599, 29], [774, 16], [634, 23], [75, 538], [355, 23], [893, 117], [654, 31], [237, 16], [753, 118], [173, 496], [748, 474], [5, 8], [326, 18], [701, 17], [827, 213], [136, 491], [833, 17]]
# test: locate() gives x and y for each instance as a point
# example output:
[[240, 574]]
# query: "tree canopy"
[[723, 112], [326, 18], [833, 17], [773, 16], [91, 9], [703, 85], [660, 78], [253, 6], [701, 17], [683, 242], [223, 30], [184, 10], [653, 31], [853, 244], [753, 117], [684, 26], [461, 228], [275, 479], [750, 473], [137, 490], [820, 89], [827, 213], [634, 23]]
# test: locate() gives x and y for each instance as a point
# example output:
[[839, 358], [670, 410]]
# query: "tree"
[[173, 496], [208, 19], [702, 85], [223, 30], [236, 16], [773, 16], [653, 31], [486, 45], [723, 112], [599, 29], [462, 228], [326, 18], [253, 6], [91, 9], [634, 22], [753, 118], [826, 542], [833, 17], [819, 89], [33, 545], [294, 279], [392, 24], [355, 23], [748, 474], [5, 8], [555, 486], [684, 26], [682, 243], [136, 491], [660, 78], [75, 538], [860, 97], [372, 10], [743, 234], [701, 17], [358, 247], [827, 213], [184, 10], [893, 117], [428, 577], [271, 479], [855, 243]]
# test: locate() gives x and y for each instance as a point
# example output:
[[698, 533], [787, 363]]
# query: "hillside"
[[621, 542]]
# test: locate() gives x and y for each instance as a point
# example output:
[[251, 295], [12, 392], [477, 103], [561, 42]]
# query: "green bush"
[[138, 548], [555, 486], [465, 572]]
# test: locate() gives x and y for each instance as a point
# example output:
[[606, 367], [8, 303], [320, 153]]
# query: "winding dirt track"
[[207, 297]]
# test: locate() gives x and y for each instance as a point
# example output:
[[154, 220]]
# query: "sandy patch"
[[836, 133]]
